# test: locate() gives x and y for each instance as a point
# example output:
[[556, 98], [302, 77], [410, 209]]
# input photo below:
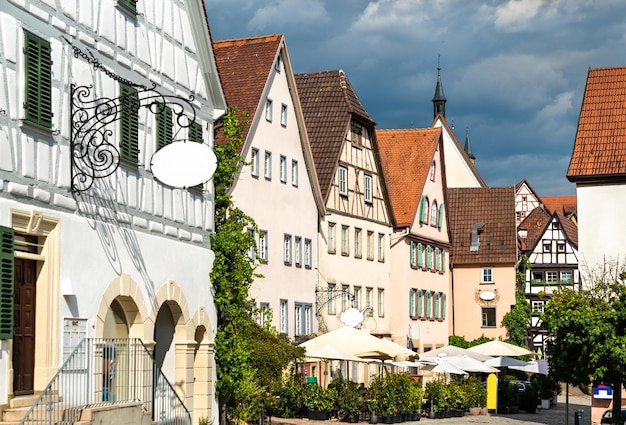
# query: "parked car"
[[608, 415]]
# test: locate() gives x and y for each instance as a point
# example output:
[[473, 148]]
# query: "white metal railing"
[[106, 372]]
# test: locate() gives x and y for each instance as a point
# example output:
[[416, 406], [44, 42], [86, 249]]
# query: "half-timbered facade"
[[552, 254], [526, 200], [93, 244], [355, 232], [413, 163]]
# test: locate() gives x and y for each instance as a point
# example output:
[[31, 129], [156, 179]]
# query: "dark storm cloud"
[[513, 71]]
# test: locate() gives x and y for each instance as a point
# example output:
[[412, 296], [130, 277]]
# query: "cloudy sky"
[[513, 71]]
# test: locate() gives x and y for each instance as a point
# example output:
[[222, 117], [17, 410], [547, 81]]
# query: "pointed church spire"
[[468, 146], [439, 100]]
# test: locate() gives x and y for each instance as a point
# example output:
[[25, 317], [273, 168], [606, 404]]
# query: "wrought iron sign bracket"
[[92, 149]]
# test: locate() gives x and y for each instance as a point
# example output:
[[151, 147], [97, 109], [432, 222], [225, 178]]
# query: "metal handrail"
[[107, 371]]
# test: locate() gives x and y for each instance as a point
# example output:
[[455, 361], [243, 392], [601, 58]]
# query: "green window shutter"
[[38, 93], [412, 254], [437, 259], [411, 302], [429, 257], [429, 304], [444, 306], [440, 220], [437, 304], [422, 212], [129, 5], [6, 283], [164, 126], [420, 303], [195, 132], [129, 123], [420, 255]]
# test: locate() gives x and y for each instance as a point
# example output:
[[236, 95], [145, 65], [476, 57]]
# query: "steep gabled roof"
[[493, 206], [329, 103], [534, 224], [569, 227], [406, 156], [600, 144], [566, 205], [525, 182], [459, 147], [244, 65]]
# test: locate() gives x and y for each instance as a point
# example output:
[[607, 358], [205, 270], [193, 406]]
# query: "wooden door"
[[24, 326]]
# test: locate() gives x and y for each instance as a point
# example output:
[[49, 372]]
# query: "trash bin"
[[579, 417]]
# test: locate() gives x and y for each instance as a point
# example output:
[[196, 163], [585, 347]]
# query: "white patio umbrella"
[[358, 343], [330, 353], [535, 366], [500, 348], [451, 350], [443, 366], [470, 364], [505, 361]]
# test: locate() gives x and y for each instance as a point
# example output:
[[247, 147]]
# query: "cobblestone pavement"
[[553, 416]]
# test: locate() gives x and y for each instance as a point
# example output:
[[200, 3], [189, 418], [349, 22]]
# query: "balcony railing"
[[102, 372], [552, 282]]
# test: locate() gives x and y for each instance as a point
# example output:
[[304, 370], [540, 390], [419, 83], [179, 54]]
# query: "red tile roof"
[[600, 145], [244, 65], [535, 225], [406, 156], [566, 205], [328, 103], [493, 206], [570, 228]]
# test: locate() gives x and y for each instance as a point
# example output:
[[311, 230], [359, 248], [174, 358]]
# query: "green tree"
[[249, 358], [588, 331], [517, 320]]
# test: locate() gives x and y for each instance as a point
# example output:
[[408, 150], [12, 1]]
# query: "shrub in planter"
[[289, 400], [318, 399], [349, 402]]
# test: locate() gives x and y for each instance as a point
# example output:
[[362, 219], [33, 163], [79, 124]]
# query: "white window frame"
[[547, 246], [381, 247], [283, 114], [288, 249], [381, 302], [284, 316], [567, 275], [298, 251], [369, 295], [308, 319], [345, 290], [485, 319], [552, 276], [370, 245], [331, 237], [367, 188], [268, 165], [331, 298], [357, 297], [283, 169], [277, 64], [253, 249], [297, 319], [560, 247], [486, 275], [294, 172], [345, 240], [308, 253], [434, 210], [358, 248], [254, 162], [537, 306], [269, 106], [343, 180], [262, 244], [432, 171]]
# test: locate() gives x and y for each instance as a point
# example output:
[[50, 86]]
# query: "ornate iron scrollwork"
[[92, 153]]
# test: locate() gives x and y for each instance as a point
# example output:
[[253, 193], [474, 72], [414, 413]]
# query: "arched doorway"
[[164, 349], [116, 353]]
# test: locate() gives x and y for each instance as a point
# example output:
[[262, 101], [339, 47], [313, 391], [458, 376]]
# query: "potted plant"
[[547, 387], [320, 402], [348, 400]]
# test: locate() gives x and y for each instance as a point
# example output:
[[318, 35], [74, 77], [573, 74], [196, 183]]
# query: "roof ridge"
[[250, 39]]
